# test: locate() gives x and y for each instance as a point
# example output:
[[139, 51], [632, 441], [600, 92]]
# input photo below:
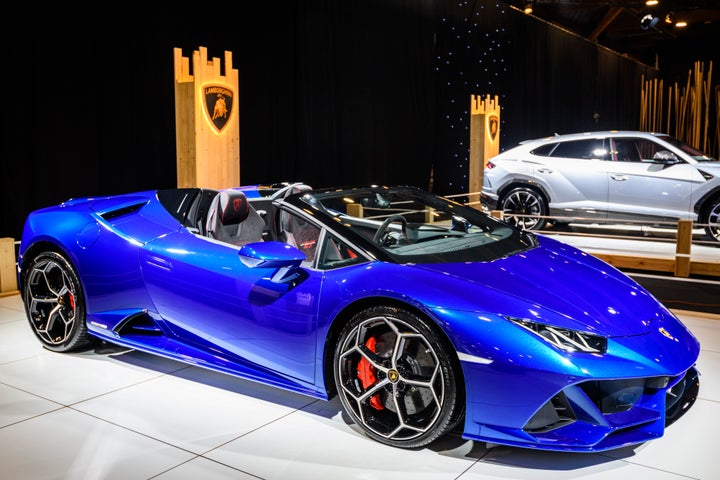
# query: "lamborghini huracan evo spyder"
[[424, 315]]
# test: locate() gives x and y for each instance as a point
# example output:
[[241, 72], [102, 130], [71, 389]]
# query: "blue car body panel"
[[152, 284]]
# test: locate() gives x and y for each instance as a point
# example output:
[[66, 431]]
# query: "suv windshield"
[[693, 152]]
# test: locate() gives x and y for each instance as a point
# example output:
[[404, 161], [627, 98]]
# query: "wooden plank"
[[484, 142], [8, 270], [683, 245], [655, 264], [709, 269]]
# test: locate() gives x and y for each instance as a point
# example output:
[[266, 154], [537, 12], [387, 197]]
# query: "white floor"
[[126, 415]]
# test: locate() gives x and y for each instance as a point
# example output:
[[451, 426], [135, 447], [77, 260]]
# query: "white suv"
[[604, 177]]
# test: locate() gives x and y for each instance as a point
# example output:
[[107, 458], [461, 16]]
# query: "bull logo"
[[238, 203], [493, 126], [219, 101]]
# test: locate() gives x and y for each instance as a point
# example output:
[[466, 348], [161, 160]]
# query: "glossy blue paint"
[[262, 311]]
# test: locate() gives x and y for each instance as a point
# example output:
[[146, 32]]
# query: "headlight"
[[564, 338]]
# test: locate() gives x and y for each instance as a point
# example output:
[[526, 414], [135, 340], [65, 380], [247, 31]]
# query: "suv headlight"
[[564, 338]]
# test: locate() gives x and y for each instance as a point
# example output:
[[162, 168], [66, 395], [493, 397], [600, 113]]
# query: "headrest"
[[234, 207]]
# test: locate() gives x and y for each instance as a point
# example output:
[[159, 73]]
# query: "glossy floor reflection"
[[126, 415]]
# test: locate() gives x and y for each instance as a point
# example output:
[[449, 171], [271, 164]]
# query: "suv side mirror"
[[665, 157]]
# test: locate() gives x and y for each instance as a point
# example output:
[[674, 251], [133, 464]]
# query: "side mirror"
[[665, 157], [284, 258]]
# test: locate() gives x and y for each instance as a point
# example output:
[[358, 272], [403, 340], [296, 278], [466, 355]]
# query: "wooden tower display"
[[206, 121], [484, 141]]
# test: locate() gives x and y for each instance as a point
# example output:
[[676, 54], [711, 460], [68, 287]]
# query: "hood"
[[555, 284]]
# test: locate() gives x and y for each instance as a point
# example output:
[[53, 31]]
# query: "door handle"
[[619, 178], [544, 170]]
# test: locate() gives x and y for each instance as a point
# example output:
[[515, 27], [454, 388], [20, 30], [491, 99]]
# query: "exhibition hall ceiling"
[[633, 27]]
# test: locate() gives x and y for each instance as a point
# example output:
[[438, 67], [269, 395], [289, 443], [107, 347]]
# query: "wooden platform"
[[646, 253]]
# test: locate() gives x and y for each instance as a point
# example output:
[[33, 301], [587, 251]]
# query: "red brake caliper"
[[366, 374], [71, 313]]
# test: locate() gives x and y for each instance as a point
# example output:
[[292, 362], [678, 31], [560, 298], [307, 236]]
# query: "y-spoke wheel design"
[[54, 303], [525, 208], [713, 220], [395, 378]]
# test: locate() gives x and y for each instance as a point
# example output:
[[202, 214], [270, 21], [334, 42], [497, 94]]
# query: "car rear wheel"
[[54, 303], [712, 219], [395, 378], [525, 208]]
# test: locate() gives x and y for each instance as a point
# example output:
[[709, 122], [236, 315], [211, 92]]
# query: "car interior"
[[230, 217]]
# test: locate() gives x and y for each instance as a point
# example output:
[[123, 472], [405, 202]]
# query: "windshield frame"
[[438, 230], [693, 152]]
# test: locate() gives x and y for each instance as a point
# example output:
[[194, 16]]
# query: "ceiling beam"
[[605, 22]]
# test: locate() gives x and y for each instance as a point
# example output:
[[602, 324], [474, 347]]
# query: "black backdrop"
[[331, 92]]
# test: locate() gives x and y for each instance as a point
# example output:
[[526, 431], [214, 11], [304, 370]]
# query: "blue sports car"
[[422, 314]]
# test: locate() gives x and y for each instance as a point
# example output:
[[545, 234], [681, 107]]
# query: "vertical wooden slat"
[[8, 272], [687, 113], [484, 141], [682, 248]]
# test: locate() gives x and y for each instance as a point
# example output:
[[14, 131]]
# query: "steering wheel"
[[379, 237]]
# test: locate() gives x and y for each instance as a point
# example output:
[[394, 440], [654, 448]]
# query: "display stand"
[[8, 270], [206, 122], [484, 141]]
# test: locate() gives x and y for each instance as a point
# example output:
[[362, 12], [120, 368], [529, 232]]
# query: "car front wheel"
[[524, 208], [712, 218], [395, 378], [54, 303]]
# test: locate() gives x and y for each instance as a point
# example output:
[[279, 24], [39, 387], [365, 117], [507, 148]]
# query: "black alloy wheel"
[[712, 219], [395, 378], [524, 208], [54, 303]]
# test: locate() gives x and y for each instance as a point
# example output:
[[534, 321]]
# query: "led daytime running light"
[[564, 338]]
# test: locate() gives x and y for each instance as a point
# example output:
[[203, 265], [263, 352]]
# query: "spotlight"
[[648, 21], [529, 8]]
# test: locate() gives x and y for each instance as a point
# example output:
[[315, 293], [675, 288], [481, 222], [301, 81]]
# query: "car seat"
[[294, 230], [231, 219]]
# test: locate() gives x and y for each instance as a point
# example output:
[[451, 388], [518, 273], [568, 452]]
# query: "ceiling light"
[[648, 21], [651, 3], [681, 24], [529, 8]]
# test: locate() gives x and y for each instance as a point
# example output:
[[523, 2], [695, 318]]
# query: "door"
[[209, 298], [640, 188], [575, 177]]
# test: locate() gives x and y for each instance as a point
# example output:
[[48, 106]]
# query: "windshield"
[[693, 152], [413, 226]]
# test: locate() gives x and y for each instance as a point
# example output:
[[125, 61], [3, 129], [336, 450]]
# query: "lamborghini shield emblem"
[[219, 101], [493, 126]]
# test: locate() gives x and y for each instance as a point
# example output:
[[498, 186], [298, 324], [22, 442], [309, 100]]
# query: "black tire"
[[524, 207], [712, 220], [54, 303], [395, 378]]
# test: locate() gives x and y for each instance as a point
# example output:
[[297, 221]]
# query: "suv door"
[[640, 185], [574, 174]]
